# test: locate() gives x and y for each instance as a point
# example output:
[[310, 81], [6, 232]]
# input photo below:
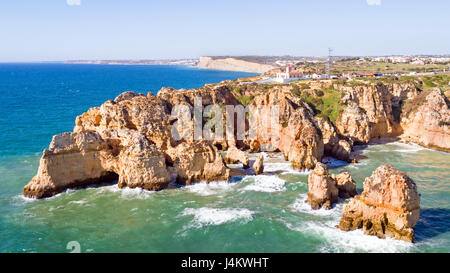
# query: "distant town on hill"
[[280, 61]]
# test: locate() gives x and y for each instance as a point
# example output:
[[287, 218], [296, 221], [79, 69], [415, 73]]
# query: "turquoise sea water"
[[264, 213]]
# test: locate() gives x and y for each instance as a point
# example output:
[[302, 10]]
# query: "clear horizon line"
[[191, 58]]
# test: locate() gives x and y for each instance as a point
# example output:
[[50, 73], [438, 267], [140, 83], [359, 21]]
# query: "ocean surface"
[[264, 213]]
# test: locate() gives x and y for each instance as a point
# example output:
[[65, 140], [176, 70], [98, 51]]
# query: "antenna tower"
[[330, 50]]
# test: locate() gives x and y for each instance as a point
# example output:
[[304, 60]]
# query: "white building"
[[288, 76], [318, 76]]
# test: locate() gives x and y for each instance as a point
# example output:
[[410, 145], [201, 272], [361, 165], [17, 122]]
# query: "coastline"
[[236, 205]]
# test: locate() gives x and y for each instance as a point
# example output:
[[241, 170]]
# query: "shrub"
[[245, 100], [319, 93]]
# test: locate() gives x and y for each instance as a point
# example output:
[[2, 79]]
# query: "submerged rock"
[[388, 207], [258, 166], [322, 189]]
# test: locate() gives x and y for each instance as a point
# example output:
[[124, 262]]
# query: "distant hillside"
[[233, 64]]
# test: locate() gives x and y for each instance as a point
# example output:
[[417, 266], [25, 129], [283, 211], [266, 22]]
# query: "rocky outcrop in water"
[[345, 184], [258, 166], [388, 207], [234, 155], [322, 190]]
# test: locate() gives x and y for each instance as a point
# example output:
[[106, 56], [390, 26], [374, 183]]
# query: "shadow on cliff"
[[432, 222]]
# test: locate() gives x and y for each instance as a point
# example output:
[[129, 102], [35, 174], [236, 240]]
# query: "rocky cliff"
[[427, 122], [233, 64], [130, 138]]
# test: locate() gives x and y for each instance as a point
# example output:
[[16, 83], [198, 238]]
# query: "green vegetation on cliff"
[[441, 81], [325, 102], [245, 100]]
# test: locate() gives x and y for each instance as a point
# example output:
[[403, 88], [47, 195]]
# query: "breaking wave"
[[265, 183], [215, 216]]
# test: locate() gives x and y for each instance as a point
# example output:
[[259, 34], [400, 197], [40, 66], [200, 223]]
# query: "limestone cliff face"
[[295, 135], [370, 110], [128, 139], [429, 123], [388, 207], [72, 159], [233, 64], [399, 110], [333, 145]]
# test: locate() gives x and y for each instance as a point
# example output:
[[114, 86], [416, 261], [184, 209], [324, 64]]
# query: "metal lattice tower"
[[330, 50]]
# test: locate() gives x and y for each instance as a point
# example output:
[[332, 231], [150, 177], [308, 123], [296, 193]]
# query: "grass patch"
[[326, 103]]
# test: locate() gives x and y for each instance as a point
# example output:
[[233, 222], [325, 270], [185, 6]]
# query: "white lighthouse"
[[288, 76]]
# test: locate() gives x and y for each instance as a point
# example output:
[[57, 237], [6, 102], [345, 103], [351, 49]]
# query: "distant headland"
[[262, 64]]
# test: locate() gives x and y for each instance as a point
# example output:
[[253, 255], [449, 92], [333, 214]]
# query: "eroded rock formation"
[[258, 166], [428, 122], [345, 184], [128, 139], [295, 135], [333, 144], [322, 189], [131, 137], [389, 206], [234, 155]]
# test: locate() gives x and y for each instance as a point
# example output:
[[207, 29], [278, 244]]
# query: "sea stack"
[[345, 184], [322, 189], [388, 207], [258, 166]]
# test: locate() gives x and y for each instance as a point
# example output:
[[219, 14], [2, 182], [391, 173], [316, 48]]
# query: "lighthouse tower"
[[288, 69]]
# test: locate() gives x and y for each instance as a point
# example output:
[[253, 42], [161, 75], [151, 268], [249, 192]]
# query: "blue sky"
[[47, 30]]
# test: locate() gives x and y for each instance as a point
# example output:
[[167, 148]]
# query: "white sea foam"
[[215, 216], [205, 189], [79, 202], [265, 183], [283, 167], [23, 198], [336, 240], [358, 165], [127, 193], [407, 147], [333, 162], [301, 206], [51, 208]]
